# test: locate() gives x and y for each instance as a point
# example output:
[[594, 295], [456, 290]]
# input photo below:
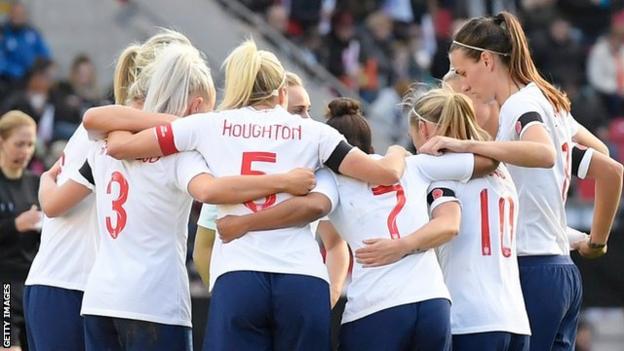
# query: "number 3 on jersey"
[[503, 225], [400, 196], [248, 159], [117, 204]]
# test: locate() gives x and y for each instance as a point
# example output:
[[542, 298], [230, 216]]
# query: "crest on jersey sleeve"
[[437, 193]]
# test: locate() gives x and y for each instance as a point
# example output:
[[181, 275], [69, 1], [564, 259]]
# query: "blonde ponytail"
[[451, 112], [251, 76], [125, 73], [134, 59], [178, 72]]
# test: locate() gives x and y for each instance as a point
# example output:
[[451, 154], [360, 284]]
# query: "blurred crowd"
[[380, 47], [29, 82]]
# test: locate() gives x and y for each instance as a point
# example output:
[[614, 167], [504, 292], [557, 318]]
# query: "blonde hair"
[[134, 59], [293, 80], [178, 72], [452, 113], [12, 120], [251, 76]]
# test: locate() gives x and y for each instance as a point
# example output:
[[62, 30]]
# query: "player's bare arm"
[[238, 189], [443, 226], [294, 212], [384, 171]]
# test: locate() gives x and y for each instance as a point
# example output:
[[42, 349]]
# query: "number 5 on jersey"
[[248, 159], [117, 204]]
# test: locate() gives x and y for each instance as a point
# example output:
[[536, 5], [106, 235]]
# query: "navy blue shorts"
[[53, 320], [552, 290], [268, 311], [422, 326], [117, 334], [491, 341]]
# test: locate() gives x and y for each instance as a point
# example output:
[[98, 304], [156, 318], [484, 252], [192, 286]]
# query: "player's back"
[[143, 211], [541, 191], [368, 211], [69, 242], [480, 265], [246, 141]]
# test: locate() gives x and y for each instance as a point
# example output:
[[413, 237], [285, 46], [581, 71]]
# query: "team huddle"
[[462, 246]]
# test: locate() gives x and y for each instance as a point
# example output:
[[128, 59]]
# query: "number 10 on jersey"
[[505, 224]]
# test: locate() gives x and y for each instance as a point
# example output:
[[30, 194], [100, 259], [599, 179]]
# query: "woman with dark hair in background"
[[20, 218]]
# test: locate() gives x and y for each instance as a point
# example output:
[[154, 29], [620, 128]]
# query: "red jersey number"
[[400, 196], [117, 205], [504, 222], [248, 159]]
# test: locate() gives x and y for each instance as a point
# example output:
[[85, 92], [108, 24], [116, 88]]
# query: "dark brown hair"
[[345, 115], [504, 34]]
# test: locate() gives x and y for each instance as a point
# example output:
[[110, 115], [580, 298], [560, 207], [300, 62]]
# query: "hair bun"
[[343, 106]]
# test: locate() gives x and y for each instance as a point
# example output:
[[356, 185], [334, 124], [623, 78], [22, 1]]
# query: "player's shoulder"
[[527, 99]]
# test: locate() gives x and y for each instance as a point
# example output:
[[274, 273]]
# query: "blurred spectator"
[[342, 50], [311, 44], [605, 67], [21, 45], [558, 54], [81, 92], [304, 14], [20, 219], [387, 118], [537, 14], [583, 337], [377, 54], [277, 18], [55, 118], [477, 8], [587, 107]]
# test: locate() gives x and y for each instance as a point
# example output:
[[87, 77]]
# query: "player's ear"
[[282, 97], [196, 105]]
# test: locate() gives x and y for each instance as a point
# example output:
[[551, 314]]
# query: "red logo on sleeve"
[[437, 193]]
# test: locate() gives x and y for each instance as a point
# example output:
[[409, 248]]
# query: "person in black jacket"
[[20, 218]]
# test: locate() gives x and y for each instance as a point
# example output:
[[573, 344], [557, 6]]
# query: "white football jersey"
[[542, 192], [480, 265], [247, 141], [143, 209], [68, 243], [367, 211]]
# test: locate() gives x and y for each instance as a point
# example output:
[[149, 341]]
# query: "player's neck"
[[263, 106], [506, 88], [10, 172]]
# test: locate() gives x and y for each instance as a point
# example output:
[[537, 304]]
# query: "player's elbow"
[[90, 118], [613, 172], [546, 157], [116, 150], [316, 206], [388, 177], [50, 210]]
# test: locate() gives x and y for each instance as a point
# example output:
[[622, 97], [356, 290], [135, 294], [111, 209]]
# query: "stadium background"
[[372, 49]]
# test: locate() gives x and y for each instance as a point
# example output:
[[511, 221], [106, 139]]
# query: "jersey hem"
[[385, 306], [135, 316], [325, 277], [57, 284], [491, 328]]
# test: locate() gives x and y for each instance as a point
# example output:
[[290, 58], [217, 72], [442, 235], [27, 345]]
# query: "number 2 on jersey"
[[122, 216], [248, 159], [400, 196], [486, 246]]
